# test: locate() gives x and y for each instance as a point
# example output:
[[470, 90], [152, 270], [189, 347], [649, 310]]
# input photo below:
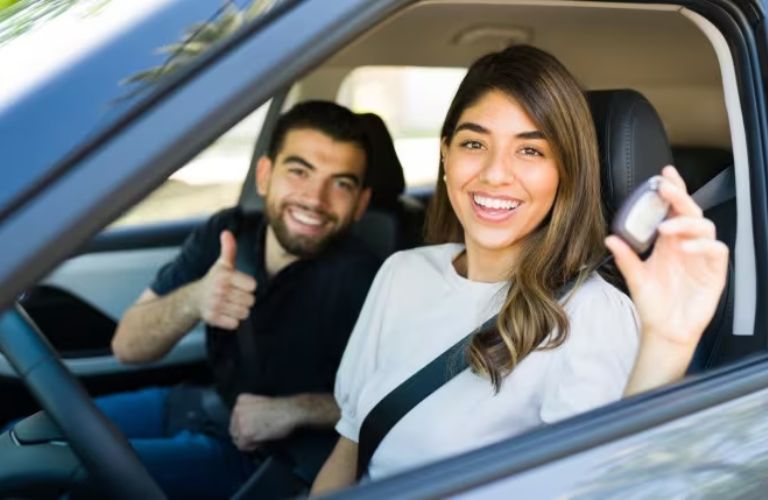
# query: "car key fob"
[[640, 215]]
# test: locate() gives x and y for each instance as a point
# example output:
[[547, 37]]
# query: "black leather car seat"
[[393, 220], [633, 147]]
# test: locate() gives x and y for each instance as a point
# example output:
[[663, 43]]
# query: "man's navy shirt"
[[301, 319]]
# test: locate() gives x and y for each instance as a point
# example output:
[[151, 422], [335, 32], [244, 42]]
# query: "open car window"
[[700, 75]]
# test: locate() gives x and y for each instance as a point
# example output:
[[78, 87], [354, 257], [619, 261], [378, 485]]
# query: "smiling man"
[[275, 334]]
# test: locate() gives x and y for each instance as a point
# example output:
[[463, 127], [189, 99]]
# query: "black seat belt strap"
[[244, 262], [717, 190], [395, 405]]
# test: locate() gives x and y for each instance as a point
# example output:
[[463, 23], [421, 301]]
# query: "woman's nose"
[[499, 169]]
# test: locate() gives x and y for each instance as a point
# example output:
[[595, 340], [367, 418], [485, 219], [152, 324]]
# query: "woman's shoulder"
[[595, 290], [596, 301]]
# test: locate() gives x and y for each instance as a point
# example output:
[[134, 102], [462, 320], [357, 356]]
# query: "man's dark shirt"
[[301, 319]]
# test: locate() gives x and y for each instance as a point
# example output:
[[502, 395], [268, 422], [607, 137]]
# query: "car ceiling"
[[656, 50]]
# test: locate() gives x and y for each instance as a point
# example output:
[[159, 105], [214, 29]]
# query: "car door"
[[196, 107], [78, 303]]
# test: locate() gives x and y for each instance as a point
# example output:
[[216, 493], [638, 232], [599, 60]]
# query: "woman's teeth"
[[495, 203]]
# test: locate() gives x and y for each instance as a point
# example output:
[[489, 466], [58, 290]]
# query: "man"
[[301, 298]]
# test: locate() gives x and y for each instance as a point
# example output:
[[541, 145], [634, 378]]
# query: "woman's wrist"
[[659, 361]]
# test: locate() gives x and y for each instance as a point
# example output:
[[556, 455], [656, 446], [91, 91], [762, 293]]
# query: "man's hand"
[[256, 419], [224, 296]]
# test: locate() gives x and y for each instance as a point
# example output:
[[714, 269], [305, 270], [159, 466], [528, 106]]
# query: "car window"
[[208, 183], [413, 101], [124, 51]]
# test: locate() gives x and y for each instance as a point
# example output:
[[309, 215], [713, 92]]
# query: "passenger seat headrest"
[[632, 140], [385, 173]]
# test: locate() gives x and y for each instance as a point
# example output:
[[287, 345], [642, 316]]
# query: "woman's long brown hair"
[[568, 244]]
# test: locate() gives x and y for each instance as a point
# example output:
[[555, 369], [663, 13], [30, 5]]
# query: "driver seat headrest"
[[385, 173], [632, 142]]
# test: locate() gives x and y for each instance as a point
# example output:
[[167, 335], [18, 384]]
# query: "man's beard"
[[297, 244]]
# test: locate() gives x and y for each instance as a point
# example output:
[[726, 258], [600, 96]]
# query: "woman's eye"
[[529, 151], [469, 144]]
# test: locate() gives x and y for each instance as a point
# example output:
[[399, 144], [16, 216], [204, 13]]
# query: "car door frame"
[[94, 188]]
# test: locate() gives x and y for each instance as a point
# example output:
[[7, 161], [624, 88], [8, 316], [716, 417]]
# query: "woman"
[[517, 222]]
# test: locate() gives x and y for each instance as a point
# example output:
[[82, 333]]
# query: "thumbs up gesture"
[[225, 295]]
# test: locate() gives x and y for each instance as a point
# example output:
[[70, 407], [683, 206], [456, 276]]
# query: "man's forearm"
[[150, 329], [315, 410]]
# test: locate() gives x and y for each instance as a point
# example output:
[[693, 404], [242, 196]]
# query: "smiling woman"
[[519, 231], [507, 136]]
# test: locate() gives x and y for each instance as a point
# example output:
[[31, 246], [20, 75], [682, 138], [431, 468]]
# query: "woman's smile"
[[494, 208]]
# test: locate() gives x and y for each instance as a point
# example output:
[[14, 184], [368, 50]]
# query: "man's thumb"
[[228, 248]]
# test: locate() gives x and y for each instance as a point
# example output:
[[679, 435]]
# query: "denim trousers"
[[187, 464]]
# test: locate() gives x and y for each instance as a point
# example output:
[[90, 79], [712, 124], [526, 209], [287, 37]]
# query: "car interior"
[[662, 89]]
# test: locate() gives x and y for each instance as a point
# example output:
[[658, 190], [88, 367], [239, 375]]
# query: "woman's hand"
[[677, 289]]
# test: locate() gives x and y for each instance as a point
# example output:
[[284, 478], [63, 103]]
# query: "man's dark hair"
[[333, 120]]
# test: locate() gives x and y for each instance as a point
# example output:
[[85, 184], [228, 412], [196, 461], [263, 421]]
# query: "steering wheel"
[[104, 451]]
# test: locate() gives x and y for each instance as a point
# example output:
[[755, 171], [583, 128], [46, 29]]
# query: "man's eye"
[[345, 185], [298, 172], [470, 144]]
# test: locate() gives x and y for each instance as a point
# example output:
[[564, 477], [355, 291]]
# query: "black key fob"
[[640, 215]]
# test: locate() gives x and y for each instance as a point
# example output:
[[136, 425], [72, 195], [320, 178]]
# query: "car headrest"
[[632, 140], [385, 173]]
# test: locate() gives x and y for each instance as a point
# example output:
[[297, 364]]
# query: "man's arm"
[[256, 419], [153, 325]]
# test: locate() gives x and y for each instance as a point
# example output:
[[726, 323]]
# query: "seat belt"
[[717, 190], [246, 243], [410, 393], [402, 399]]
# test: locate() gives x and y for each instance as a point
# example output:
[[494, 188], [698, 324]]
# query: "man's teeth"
[[307, 219], [496, 203]]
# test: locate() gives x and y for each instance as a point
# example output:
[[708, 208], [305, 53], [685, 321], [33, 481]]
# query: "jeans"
[[186, 464]]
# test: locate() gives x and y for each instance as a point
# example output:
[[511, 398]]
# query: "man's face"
[[313, 190]]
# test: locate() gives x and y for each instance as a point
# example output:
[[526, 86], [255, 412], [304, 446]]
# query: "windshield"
[[72, 68]]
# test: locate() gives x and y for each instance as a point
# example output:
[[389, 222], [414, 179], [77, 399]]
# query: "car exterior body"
[[86, 141]]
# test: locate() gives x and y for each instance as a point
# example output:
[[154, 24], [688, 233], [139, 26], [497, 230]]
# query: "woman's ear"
[[444, 143]]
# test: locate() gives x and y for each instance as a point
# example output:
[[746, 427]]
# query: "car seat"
[[633, 147], [394, 220]]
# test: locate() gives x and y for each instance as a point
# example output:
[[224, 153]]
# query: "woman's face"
[[501, 175]]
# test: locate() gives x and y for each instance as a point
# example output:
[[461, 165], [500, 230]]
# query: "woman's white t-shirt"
[[419, 306]]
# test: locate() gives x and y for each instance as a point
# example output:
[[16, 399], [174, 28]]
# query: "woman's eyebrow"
[[532, 134], [474, 127]]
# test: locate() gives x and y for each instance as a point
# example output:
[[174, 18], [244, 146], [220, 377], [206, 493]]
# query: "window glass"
[[208, 183], [413, 102], [74, 68]]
